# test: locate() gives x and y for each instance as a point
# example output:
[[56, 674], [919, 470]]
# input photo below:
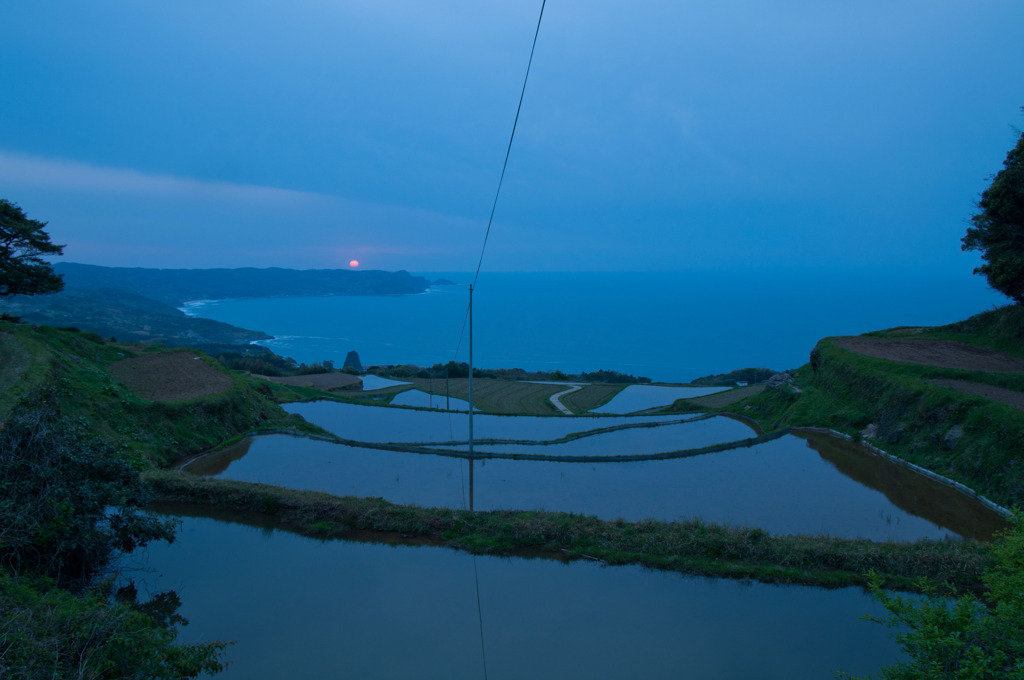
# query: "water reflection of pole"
[[471, 397]]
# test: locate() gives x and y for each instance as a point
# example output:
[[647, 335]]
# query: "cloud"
[[125, 217], [22, 171]]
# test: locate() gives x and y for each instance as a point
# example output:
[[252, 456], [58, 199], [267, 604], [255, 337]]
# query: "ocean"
[[670, 327]]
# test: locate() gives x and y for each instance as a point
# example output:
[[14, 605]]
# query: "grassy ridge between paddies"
[[913, 418], [509, 397], [692, 547], [490, 395], [72, 368]]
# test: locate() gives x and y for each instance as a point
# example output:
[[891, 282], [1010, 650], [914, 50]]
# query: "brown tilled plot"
[[945, 354], [1015, 399], [170, 376], [941, 353]]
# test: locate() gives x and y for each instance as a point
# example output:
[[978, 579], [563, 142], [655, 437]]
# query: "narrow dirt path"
[[556, 400]]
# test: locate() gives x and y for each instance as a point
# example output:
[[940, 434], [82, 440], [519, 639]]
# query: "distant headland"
[[142, 305], [177, 286]]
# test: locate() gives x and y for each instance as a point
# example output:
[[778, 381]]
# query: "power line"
[[469, 320], [508, 151]]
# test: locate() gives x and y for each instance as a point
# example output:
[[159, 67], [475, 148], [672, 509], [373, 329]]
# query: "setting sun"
[[353, 263]]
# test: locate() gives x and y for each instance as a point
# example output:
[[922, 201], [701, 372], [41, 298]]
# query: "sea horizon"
[[666, 326]]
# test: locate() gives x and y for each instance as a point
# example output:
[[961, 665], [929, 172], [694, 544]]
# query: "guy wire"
[[508, 152]]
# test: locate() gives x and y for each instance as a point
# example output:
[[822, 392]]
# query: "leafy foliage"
[[22, 243], [998, 228], [51, 633], [968, 638], [70, 503]]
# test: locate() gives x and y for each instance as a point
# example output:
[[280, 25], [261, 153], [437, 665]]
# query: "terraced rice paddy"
[[788, 485]]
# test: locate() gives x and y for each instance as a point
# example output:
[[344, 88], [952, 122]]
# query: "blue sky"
[[731, 135]]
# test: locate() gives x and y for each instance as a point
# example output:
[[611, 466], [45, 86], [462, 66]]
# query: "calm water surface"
[[427, 400], [641, 397], [666, 437], [382, 424], [785, 486], [375, 382], [302, 608], [808, 484], [650, 324]]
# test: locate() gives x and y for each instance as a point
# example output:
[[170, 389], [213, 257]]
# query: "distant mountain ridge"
[[177, 286], [113, 312], [143, 304]]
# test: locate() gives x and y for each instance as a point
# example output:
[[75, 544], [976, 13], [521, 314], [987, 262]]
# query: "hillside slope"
[[126, 316], [153, 405], [945, 398]]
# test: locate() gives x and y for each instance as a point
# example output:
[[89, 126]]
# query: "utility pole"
[[471, 397]]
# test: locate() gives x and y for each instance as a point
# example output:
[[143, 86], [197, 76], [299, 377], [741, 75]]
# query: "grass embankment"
[[24, 366], [507, 397], [1001, 330], [73, 367], [497, 396], [285, 394], [914, 418], [690, 547], [490, 395], [591, 396]]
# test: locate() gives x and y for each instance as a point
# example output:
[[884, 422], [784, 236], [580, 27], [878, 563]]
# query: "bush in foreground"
[[968, 638], [69, 505], [51, 633]]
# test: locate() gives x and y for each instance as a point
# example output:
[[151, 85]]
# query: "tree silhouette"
[[998, 227], [23, 242]]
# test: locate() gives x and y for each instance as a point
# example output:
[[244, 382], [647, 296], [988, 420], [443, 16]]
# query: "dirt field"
[[720, 399], [498, 396], [1015, 399], [170, 376], [945, 354], [942, 353]]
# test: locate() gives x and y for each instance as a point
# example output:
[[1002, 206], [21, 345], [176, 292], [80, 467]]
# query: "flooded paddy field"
[[298, 607], [641, 397], [382, 424], [365, 608], [811, 484]]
